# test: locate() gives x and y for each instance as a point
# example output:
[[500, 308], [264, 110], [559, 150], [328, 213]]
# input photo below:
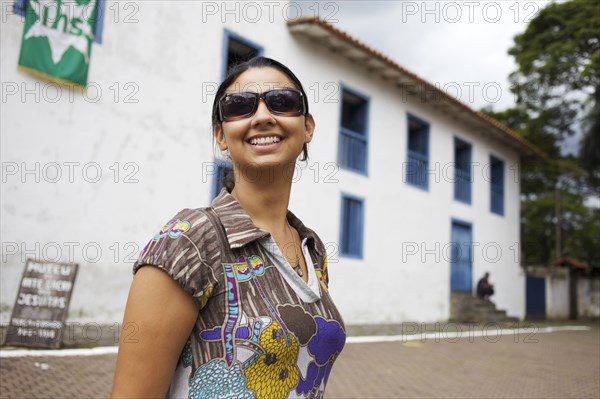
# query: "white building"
[[90, 177]]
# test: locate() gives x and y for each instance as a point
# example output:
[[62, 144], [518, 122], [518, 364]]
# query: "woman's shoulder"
[[185, 249], [189, 221], [189, 230]]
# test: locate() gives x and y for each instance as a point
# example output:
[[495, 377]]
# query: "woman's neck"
[[265, 200]]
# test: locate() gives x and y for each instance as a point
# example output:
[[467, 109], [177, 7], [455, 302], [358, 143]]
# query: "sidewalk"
[[540, 365], [562, 364]]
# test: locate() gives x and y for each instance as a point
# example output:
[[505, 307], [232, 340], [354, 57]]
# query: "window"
[[99, 28], [351, 229], [223, 172], [237, 50], [418, 152], [353, 143], [497, 185], [462, 171]]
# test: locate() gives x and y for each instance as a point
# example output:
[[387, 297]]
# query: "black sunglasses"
[[238, 105]]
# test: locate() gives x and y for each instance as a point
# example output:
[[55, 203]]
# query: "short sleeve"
[[177, 249]]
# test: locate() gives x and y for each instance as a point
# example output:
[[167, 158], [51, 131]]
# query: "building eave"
[[322, 33]]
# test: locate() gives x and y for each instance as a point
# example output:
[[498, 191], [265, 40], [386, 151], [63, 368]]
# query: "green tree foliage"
[[559, 64], [557, 86]]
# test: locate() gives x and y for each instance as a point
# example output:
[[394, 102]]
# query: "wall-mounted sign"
[[42, 303], [57, 40]]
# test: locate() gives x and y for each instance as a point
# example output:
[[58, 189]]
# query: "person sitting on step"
[[484, 288]]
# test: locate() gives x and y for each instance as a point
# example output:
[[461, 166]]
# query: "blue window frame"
[[418, 152], [496, 185], [20, 8], [223, 171], [351, 227], [462, 171], [353, 141], [237, 49], [99, 28]]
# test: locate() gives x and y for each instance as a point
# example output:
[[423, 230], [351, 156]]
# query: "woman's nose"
[[262, 113]]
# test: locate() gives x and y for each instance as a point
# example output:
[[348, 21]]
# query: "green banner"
[[57, 40]]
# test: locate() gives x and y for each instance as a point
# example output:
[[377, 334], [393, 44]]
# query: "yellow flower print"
[[206, 294], [274, 373], [322, 275]]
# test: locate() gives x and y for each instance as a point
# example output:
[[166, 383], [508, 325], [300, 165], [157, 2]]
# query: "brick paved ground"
[[558, 365], [56, 377]]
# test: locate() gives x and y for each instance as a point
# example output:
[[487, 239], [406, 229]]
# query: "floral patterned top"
[[261, 332]]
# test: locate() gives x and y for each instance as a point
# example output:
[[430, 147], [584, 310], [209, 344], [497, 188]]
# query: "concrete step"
[[467, 308], [482, 303]]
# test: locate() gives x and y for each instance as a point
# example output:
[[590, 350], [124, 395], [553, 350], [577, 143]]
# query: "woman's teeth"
[[265, 140]]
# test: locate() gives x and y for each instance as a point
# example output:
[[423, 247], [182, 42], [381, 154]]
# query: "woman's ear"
[[220, 137], [309, 124]]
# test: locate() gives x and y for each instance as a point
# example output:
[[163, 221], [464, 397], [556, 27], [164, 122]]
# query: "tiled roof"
[[568, 261], [326, 34]]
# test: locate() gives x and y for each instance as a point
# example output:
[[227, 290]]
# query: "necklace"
[[296, 266]]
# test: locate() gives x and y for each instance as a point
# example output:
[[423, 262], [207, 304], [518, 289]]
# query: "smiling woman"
[[279, 116], [235, 305]]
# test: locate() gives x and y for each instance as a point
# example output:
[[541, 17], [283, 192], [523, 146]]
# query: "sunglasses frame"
[[258, 97]]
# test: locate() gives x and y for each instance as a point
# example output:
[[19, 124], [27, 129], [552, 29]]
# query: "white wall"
[[588, 296], [389, 285], [159, 142], [174, 63], [557, 295]]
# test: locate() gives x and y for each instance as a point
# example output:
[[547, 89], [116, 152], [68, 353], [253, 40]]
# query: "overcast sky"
[[459, 45]]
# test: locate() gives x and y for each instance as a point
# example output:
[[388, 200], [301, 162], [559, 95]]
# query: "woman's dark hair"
[[256, 62]]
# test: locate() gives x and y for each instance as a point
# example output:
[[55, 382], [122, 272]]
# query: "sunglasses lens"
[[238, 104], [279, 101], [284, 101]]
